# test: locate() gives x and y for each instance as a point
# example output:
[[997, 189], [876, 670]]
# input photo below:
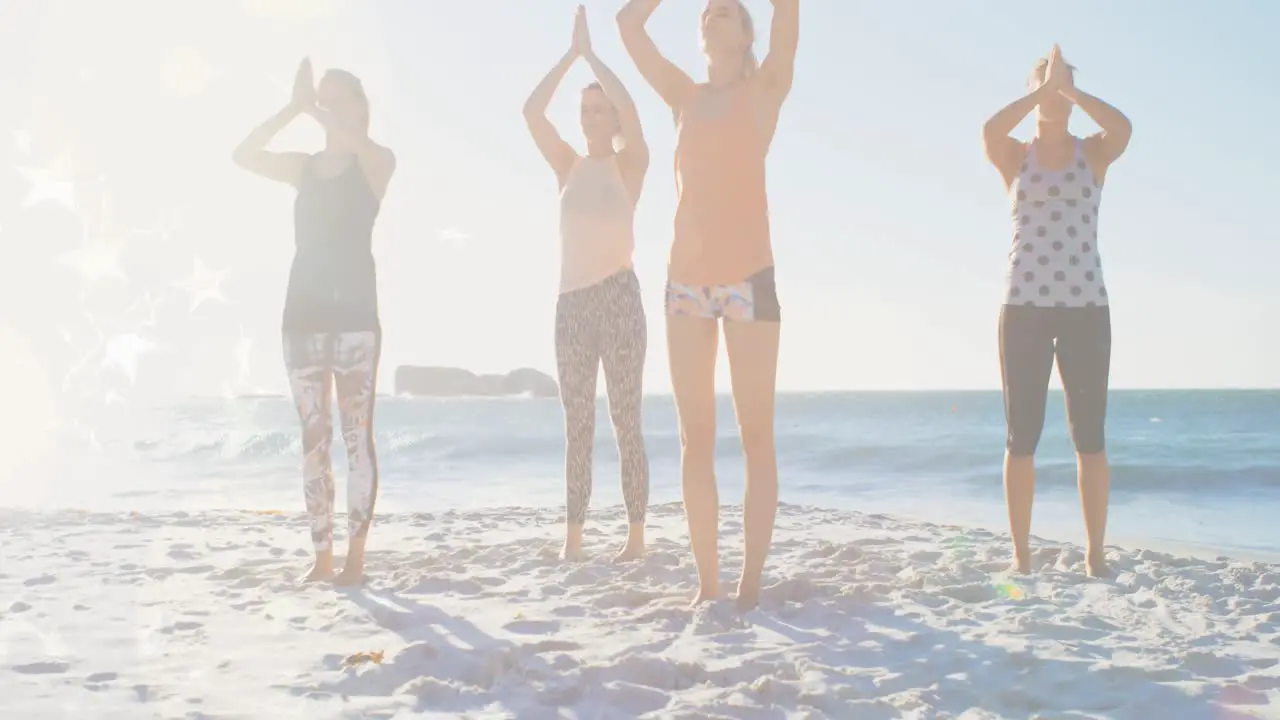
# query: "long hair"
[[749, 63], [357, 90]]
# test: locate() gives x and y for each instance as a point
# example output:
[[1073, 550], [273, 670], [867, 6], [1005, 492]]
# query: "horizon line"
[[780, 393]]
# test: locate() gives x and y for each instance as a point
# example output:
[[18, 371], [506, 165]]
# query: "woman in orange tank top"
[[721, 263]]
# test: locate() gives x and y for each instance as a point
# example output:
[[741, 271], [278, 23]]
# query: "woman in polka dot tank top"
[[1055, 301]]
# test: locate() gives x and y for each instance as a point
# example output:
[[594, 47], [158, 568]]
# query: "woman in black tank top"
[[331, 332]]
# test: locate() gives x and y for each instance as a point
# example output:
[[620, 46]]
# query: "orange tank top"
[[722, 212]]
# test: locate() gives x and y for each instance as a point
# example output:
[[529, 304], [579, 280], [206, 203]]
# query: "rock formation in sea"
[[457, 382]]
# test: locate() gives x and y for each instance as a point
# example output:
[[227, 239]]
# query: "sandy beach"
[[472, 615]]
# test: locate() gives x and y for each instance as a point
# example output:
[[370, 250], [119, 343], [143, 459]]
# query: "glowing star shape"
[[51, 183], [123, 351], [96, 259], [169, 223], [145, 307], [204, 284]]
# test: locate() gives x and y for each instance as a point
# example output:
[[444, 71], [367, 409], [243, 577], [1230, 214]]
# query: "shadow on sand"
[[831, 656]]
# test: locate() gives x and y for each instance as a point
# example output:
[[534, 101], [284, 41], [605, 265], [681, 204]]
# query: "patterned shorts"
[[753, 299]]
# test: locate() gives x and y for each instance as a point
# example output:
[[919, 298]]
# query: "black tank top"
[[333, 283]]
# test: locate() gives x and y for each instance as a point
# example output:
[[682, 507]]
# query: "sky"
[[140, 262]]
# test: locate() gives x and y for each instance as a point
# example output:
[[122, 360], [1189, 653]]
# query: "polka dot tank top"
[[1054, 261]]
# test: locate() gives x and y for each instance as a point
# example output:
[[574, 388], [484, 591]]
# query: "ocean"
[[1199, 469]]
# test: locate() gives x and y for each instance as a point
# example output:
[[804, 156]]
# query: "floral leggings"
[[317, 362]]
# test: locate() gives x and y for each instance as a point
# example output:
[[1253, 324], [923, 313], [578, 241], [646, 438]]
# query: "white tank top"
[[596, 223], [1054, 261]]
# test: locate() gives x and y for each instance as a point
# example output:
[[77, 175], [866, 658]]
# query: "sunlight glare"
[[187, 73], [203, 284], [51, 183], [293, 9], [123, 352], [29, 434], [95, 260]]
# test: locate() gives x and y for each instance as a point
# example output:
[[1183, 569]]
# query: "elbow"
[[991, 132], [627, 21], [239, 157]]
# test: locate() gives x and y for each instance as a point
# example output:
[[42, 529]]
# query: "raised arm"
[[377, 163], [1004, 151], [557, 152], [252, 154], [1106, 146], [663, 76], [635, 154], [778, 68]]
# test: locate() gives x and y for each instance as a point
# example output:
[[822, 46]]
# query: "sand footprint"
[[47, 667], [98, 681], [182, 626], [550, 646], [532, 627]]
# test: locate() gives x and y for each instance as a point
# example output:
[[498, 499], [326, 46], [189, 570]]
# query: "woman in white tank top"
[[1055, 301], [599, 315]]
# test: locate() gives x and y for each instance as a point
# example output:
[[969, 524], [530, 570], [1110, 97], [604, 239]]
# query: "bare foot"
[[350, 576], [705, 595], [748, 596], [634, 547], [1096, 566], [572, 551], [322, 569], [353, 569], [630, 551], [1021, 564]]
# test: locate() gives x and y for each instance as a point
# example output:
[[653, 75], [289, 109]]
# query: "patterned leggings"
[[317, 362], [603, 324]]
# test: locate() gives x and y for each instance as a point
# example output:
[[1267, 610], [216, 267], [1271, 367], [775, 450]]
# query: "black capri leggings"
[[1030, 337]]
